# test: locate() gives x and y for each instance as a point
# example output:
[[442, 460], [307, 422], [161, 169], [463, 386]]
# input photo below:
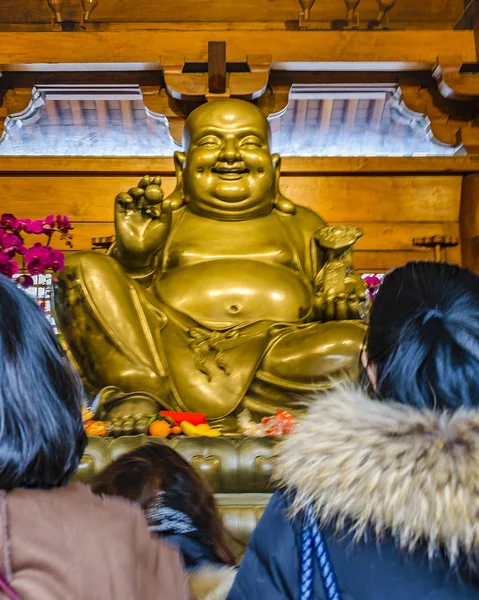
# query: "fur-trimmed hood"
[[211, 582], [365, 464]]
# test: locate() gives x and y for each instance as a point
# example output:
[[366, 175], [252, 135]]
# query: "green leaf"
[[152, 419]]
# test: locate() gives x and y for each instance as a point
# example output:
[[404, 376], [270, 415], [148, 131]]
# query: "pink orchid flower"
[[8, 266], [8, 221], [11, 244]]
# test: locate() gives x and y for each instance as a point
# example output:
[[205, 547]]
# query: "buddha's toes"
[[131, 416]]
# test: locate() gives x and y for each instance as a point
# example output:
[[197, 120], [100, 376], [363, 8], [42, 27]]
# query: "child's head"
[[142, 473], [423, 338]]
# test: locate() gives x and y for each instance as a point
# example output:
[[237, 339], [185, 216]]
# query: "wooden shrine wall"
[[391, 208]]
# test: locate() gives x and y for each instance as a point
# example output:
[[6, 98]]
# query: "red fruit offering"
[[178, 417]]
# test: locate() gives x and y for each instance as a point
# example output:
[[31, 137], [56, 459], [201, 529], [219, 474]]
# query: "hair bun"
[[432, 313]]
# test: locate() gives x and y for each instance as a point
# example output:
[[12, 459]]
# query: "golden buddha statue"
[[222, 296]]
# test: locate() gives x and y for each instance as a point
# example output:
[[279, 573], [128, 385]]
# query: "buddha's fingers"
[[329, 311], [166, 212], [341, 307], [124, 202], [353, 309], [138, 195]]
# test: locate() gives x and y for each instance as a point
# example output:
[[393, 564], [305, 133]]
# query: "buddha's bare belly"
[[225, 292]]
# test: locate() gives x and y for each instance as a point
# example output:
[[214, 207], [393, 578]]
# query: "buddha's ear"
[[281, 203], [179, 159], [177, 197], [276, 160]]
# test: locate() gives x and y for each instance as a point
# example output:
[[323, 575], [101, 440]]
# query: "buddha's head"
[[227, 169]]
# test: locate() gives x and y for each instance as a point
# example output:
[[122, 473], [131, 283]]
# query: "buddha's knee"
[[79, 264], [102, 276], [315, 354], [134, 377]]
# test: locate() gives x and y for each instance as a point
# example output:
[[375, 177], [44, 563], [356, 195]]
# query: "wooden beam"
[[101, 113], [396, 24], [127, 114], [299, 118], [77, 112], [476, 26], [326, 112], [377, 115], [193, 12], [52, 112], [216, 67], [290, 50], [138, 166], [352, 109]]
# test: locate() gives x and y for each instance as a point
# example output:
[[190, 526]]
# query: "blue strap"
[[313, 546], [307, 572]]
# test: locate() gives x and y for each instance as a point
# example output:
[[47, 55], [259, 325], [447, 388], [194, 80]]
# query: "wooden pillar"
[[469, 221], [475, 22], [217, 67]]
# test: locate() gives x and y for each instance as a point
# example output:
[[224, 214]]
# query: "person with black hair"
[[379, 485], [58, 540], [179, 508]]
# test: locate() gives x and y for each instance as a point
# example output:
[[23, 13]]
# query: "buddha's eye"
[[210, 141], [251, 142]]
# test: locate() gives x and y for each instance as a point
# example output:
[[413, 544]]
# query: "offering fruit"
[[96, 429], [159, 429], [278, 424], [176, 430], [179, 417], [201, 430]]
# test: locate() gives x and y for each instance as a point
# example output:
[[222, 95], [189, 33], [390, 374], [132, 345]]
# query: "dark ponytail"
[[424, 336]]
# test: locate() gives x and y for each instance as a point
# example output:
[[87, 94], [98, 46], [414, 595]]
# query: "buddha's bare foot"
[[128, 413], [131, 416]]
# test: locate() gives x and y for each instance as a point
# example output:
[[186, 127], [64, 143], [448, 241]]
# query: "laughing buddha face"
[[228, 170]]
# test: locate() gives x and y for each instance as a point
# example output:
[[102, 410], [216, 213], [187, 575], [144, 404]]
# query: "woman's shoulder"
[[276, 523], [279, 508], [73, 502]]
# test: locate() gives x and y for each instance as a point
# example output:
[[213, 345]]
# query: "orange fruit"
[[176, 430], [96, 429], [159, 429]]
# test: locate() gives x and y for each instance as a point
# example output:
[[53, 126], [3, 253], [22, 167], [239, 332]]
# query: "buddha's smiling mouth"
[[230, 173]]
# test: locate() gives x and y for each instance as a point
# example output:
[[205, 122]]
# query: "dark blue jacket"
[[404, 479], [369, 570]]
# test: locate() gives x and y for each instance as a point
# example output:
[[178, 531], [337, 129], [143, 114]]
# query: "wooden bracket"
[[454, 82], [13, 102], [218, 79], [451, 121], [157, 101]]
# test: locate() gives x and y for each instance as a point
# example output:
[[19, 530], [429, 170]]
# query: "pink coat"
[[68, 544]]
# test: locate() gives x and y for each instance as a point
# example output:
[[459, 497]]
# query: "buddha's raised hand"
[[142, 223]]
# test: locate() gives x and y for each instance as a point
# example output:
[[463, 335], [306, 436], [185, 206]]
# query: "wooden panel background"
[[392, 210]]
